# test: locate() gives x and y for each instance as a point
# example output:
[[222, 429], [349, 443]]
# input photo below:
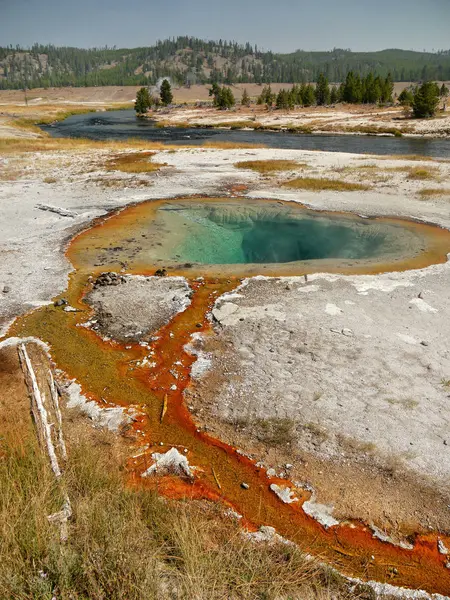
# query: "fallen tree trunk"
[[43, 427], [39, 410], [55, 401]]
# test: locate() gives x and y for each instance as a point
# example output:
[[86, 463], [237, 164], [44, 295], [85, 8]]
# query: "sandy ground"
[[352, 399]]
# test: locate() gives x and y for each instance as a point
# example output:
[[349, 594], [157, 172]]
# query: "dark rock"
[[60, 302], [6, 289], [161, 272], [109, 279]]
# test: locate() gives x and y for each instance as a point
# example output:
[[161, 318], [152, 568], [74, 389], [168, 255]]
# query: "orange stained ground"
[[108, 373]]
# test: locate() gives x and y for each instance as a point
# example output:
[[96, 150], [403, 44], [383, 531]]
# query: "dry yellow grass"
[[322, 184], [111, 182], [413, 157], [231, 145], [434, 193], [10, 174], [127, 543], [270, 166], [44, 144], [134, 162], [422, 173]]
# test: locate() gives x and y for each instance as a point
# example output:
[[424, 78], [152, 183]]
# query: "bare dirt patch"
[[127, 308]]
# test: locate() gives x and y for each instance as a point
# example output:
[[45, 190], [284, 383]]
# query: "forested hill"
[[189, 60]]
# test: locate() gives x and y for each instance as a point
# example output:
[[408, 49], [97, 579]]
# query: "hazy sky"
[[279, 25]]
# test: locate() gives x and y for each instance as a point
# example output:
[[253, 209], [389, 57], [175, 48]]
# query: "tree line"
[[371, 89], [423, 100], [187, 59]]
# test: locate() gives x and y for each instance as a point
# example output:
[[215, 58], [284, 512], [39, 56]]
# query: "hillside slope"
[[189, 60]]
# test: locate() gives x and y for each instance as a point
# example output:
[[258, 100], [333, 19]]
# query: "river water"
[[123, 124]]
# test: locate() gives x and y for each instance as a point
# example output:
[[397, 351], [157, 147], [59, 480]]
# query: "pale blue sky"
[[279, 25]]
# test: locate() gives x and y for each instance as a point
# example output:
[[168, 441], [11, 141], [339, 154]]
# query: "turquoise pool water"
[[239, 233]]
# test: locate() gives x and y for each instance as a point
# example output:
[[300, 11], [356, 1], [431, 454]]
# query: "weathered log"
[[55, 401], [39, 411]]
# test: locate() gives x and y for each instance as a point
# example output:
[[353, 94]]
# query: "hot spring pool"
[[247, 236]]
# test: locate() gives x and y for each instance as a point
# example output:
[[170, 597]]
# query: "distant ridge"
[[191, 60]]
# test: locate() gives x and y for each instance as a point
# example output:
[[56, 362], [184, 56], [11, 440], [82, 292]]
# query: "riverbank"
[[195, 111], [341, 119]]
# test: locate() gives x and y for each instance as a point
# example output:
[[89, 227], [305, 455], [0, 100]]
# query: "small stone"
[[442, 548], [420, 295], [199, 325], [423, 343], [445, 443], [288, 466], [347, 332], [271, 473], [6, 289], [245, 486], [60, 302]]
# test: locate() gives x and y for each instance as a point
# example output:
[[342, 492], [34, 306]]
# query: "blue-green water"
[[122, 125], [267, 233]]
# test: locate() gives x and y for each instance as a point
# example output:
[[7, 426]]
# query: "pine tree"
[[166, 93], [143, 101], [308, 95], [228, 99], [406, 97], [334, 95], [426, 100], [443, 92], [266, 96], [284, 99], [245, 100], [352, 89], [222, 96], [387, 90], [322, 91]]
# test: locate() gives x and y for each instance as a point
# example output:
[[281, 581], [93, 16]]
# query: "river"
[[123, 124]]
